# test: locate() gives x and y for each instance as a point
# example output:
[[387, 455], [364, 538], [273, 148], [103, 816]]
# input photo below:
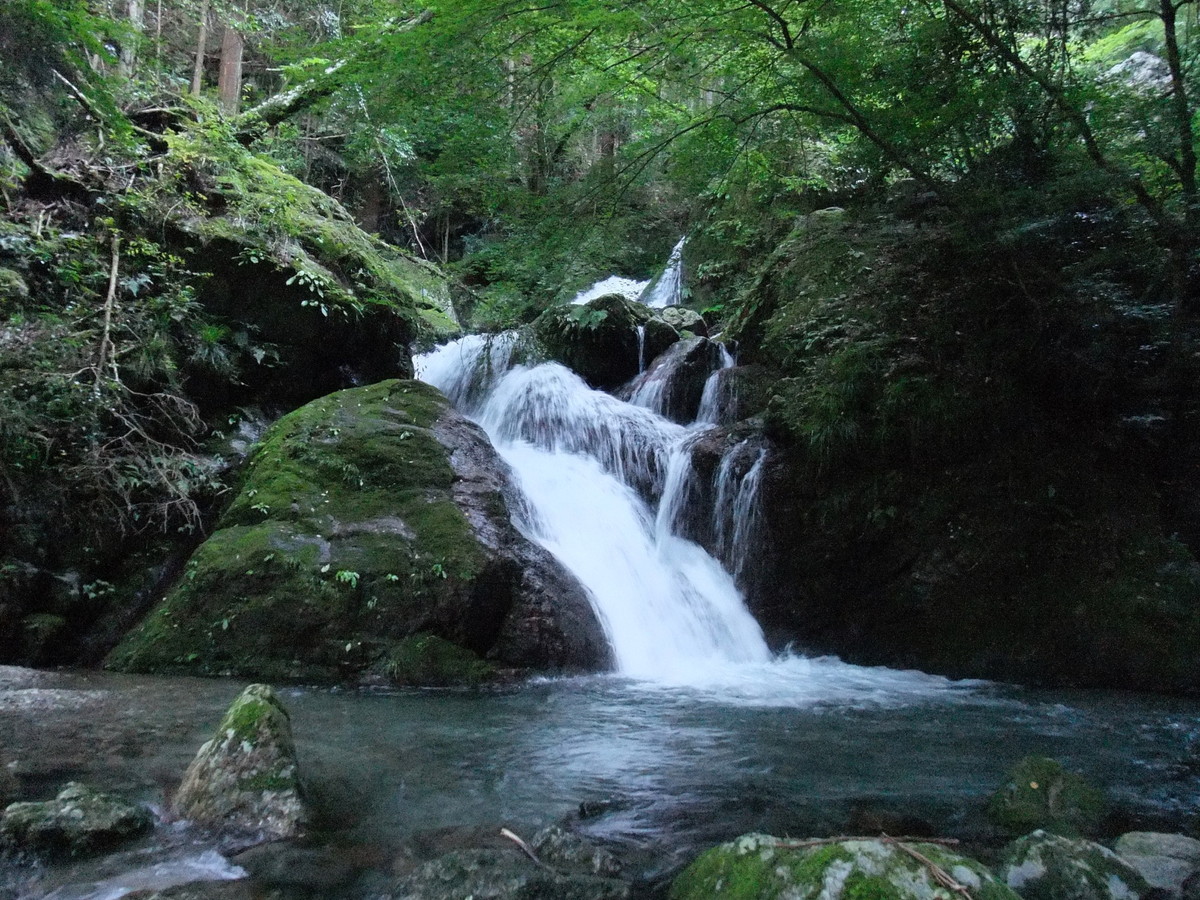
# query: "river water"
[[398, 774]]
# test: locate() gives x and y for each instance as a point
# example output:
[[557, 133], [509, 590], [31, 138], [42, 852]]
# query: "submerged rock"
[[760, 867], [1043, 866], [566, 851], [78, 821], [1166, 861], [245, 778], [1040, 793], [366, 518], [501, 875]]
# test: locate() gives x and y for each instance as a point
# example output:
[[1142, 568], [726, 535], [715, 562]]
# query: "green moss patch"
[[343, 540]]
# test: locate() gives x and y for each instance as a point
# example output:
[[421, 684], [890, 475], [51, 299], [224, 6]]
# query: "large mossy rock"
[[79, 821], [1040, 793], [289, 269], [367, 517], [598, 340], [1044, 866], [245, 779], [759, 867], [501, 875]]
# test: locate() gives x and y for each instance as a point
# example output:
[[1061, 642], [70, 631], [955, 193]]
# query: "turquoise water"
[[399, 774]]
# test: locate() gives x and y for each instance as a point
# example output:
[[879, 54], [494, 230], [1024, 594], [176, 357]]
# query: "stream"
[[671, 769]]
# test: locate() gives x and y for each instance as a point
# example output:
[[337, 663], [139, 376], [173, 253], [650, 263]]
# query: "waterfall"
[[602, 479], [668, 289]]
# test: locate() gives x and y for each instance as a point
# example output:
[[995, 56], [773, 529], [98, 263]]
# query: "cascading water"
[[590, 467], [668, 289], [607, 486]]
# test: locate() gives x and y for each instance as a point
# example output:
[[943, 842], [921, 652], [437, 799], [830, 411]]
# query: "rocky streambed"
[[404, 785]]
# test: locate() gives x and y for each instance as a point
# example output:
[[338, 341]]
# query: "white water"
[[668, 290], [606, 483], [614, 284]]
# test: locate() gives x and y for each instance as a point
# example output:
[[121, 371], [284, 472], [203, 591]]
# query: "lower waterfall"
[[604, 482]]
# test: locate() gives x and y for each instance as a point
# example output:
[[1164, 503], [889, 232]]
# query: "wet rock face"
[[366, 518], [245, 779], [1043, 866], [79, 821], [673, 385], [760, 867]]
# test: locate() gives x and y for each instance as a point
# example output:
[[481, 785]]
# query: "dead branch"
[[109, 302], [504, 832]]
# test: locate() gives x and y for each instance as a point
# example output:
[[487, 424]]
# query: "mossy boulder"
[[366, 517], [326, 304], [245, 779], [566, 851], [1044, 866], [12, 286], [501, 875], [597, 340], [1040, 793], [760, 867], [79, 821]]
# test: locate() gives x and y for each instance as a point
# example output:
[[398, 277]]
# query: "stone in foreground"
[[1043, 866], [501, 875], [79, 821], [760, 867], [1166, 861], [245, 779]]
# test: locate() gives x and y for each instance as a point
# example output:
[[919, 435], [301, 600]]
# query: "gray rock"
[[683, 319], [1166, 861], [283, 864], [245, 780], [568, 852], [77, 822], [674, 384], [501, 875], [1043, 866], [760, 867]]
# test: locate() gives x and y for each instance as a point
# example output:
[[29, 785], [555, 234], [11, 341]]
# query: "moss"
[[12, 286], [723, 872], [756, 867], [343, 539], [426, 659], [1040, 793]]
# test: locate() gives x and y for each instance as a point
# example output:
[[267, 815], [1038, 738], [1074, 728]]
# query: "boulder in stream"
[[1040, 793], [79, 821], [596, 340], [1044, 866], [760, 867], [245, 779], [367, 518]]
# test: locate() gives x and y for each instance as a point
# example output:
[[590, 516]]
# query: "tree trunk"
[[229, 81], [201, 44], [129, 48]]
